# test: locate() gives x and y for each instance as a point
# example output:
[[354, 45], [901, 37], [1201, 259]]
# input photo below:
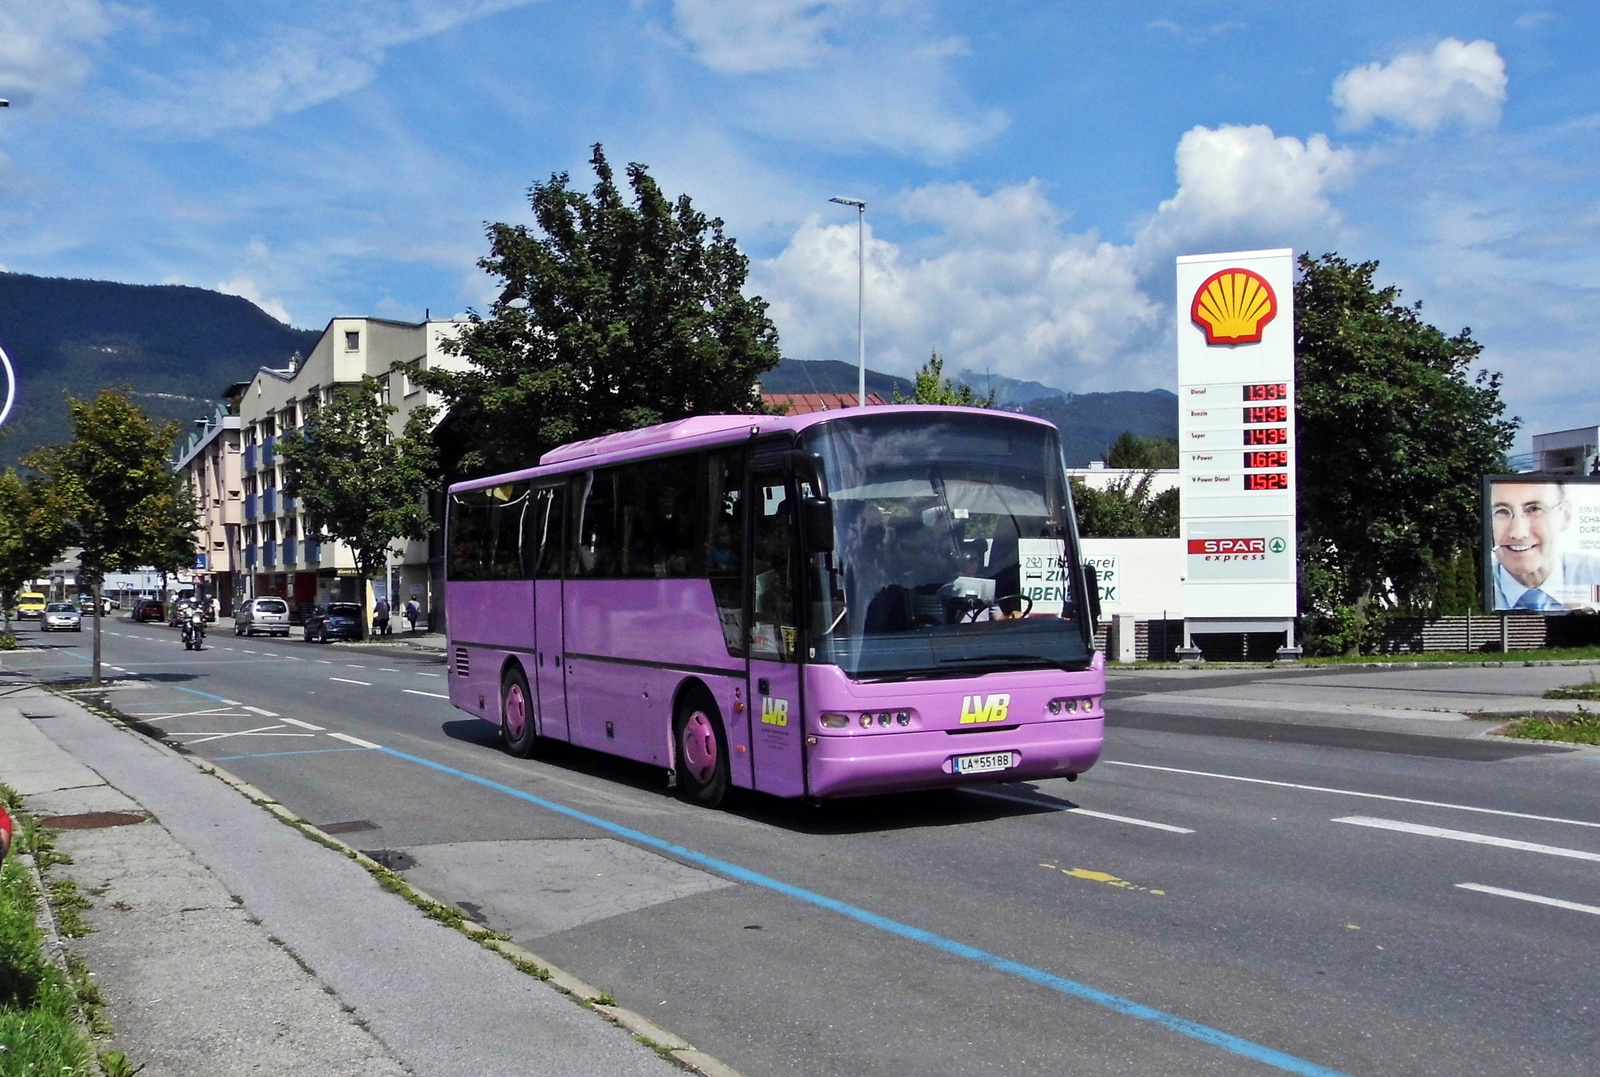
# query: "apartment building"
[[212, 459], [277, 553]]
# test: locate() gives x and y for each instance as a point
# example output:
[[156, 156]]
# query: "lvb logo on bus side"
[[774, 711], [976, 709]]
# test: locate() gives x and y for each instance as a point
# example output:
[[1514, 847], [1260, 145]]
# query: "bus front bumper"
[[861, 764]]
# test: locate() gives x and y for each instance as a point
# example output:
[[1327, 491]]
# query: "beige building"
[[270, 549]]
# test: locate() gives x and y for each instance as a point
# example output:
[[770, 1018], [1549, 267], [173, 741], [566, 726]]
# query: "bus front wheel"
[[516, 714], [702, 750]]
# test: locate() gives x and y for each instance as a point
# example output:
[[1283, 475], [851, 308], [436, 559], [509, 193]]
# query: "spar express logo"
[[1233, 306], [1236, 549]]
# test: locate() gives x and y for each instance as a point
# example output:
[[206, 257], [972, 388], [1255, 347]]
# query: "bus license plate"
[[981, 764]]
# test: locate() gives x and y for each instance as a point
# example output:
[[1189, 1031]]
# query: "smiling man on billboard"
[[1531, 571]]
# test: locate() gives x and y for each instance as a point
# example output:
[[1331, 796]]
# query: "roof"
[[699, 431], [806, 403]]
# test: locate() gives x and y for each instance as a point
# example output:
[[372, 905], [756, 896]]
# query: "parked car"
[[61, 617], [149, 609], [336, 620], [30, 606], [269, 615]]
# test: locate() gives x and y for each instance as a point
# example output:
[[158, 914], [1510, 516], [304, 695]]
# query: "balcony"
[[249, 506], [270, 555], [313, 552], [290, 504], [268, 457], [249, 458], [269, 502], [289, 551], [249, 557]]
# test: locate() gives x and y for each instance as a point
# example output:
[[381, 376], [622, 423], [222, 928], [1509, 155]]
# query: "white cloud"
[[1001, 288], [285, 66], [44, 45], [1244, 186], [1533, 20], [1457, 82], [743, 36], [248, 289]]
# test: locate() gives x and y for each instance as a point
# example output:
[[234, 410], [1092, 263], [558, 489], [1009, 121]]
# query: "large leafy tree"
[[1126, 508], [1395, 432], [128, 503], [1142, 454], [358, 482], [613, 313], [35, 527]]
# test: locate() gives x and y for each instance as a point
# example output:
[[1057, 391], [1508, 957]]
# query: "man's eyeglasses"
[[1504, 514]]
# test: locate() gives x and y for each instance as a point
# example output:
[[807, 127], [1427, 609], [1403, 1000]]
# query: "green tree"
[[1142, 454], [1126, 508], [613, 314], [358, 482], [127, 500], [932, 387], [35, 527], [1394, 434]]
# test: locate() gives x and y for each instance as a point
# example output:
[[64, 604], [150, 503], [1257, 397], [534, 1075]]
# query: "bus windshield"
[[953, 547]]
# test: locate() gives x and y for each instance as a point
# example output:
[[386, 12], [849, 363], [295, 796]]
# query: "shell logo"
[[1233, 306]]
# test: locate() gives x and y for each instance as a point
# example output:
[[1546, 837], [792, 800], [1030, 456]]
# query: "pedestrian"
[[5, 833], [216, 607], [413, 611], [380, 617]]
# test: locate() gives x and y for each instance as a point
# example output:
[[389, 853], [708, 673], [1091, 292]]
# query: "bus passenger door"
[[548, 661], [776, 715]]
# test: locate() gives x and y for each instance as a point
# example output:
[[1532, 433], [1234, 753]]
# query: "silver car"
[[269, 615], [61, 617]]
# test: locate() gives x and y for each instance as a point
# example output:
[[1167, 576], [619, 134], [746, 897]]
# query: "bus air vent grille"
[[463, 666]]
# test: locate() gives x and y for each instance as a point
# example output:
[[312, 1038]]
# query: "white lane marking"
[[421, 674], [231, 702], [1353, 793], [1055, 807], [1467, 836], [357, 741], [263, 713], [1538, 899], [117, 669], [346, 680], [292, 657], [225, 647], [430, 695], [352, 665], [249, 651], [304, 725], [259, 731], [386, 669], [322, 662]]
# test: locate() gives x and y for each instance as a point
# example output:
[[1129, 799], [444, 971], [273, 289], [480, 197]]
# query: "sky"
[[1031, 169]]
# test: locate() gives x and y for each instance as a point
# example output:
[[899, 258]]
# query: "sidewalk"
[[226, 942]]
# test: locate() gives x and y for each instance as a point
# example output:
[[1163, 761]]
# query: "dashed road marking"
[[357, 741], [1537, 899], [430, 695], [263, 713], [1467, 836], [346, 680], [305, 725], [1080, 811]]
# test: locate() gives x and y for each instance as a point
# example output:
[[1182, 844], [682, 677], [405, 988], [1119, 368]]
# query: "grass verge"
[[1587, 690], [1543, 654], [1580, 728], [39, 1033]]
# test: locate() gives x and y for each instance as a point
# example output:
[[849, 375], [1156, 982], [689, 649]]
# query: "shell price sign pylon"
[[1236, 435]]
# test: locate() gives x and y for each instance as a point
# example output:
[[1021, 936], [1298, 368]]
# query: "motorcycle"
[[194, 631]]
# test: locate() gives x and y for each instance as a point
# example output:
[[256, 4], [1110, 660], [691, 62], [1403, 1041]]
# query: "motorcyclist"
[[194, 627]]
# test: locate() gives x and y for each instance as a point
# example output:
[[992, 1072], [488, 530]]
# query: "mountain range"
[[178, 348]]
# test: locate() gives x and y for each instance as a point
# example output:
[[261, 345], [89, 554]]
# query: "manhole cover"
[[91, 820], [353, 827]]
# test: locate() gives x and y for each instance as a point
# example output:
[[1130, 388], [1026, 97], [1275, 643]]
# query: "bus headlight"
[[1087, 703], [866, 720], [904, 717], [1057, 706], [832, 720], [883, 719]]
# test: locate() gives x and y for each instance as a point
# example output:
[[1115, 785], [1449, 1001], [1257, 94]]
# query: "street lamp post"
[[861, 293]]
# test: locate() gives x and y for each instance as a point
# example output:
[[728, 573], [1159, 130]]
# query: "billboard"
[[1236, 434], [1541, 537]]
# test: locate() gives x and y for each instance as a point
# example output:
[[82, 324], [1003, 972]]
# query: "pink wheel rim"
[[516, 712], [699, 743]]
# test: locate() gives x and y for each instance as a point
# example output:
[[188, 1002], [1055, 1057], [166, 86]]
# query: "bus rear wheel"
[[702, 750], [516, 714]]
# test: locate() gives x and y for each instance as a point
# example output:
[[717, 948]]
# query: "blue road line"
[[1138, 1010], [307, 751], [207, 695]]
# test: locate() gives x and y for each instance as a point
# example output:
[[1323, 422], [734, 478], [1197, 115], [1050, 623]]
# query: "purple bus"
[[824, 605]]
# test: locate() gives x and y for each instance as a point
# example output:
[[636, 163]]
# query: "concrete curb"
[[654, 1036]]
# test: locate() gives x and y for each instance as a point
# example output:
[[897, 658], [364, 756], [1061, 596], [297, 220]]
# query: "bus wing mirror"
[[1091, 591], [816, 521]]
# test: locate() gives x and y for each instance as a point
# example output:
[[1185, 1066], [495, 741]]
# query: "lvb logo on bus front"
[[985, 709]]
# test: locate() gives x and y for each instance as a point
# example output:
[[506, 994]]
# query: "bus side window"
[[541, 537], [600, 540], [724, 542], [773, 623]]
